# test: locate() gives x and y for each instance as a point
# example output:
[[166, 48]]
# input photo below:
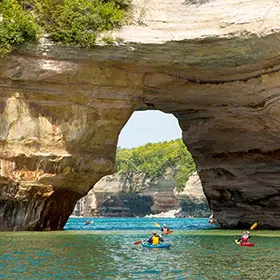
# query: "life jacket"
[[155, 240], [245, 238]]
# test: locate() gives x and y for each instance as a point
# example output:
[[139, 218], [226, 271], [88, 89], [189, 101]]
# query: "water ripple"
[[110, 254]]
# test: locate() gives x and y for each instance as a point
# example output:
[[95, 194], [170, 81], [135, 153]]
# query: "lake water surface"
[[104, 250]]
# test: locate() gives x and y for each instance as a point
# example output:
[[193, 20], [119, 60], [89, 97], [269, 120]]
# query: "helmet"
[[164, 225]]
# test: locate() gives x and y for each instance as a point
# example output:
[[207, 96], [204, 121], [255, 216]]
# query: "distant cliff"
[[130, 195], [192, 199]]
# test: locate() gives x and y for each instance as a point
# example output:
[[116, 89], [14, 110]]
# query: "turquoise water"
[[104, 250], [137, 224]]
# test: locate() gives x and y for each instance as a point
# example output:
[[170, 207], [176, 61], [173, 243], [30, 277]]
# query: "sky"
[[149, 127]]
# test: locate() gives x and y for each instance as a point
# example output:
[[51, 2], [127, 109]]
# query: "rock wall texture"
[[132, 195], [192, 199], [213, 64], [119, 196]]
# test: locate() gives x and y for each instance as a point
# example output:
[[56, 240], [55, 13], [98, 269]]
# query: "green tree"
[[16, 26], [77, 22], [154, 159], [69, 22]]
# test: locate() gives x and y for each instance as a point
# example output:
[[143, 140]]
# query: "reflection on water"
[[104, 250], [77, 255]]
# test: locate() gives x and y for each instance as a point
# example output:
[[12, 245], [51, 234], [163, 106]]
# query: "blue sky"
[[149, 127]]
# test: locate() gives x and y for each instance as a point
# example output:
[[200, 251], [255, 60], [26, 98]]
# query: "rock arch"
[[62, 109]]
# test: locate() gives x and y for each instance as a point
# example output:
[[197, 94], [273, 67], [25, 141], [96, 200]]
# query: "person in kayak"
[[164, 229], [244, 237], [155, 239]]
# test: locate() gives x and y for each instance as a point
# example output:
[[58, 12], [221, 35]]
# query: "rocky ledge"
[[214, 65]]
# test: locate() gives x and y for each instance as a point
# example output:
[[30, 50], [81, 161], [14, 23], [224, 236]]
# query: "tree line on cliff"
[[69, 22], [154, 159]]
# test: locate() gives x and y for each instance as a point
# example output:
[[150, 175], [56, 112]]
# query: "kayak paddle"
[[138, 242], [157, 224], [253, 226]]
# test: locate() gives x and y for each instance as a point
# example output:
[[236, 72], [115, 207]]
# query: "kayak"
[[162, 245], [246, 244]]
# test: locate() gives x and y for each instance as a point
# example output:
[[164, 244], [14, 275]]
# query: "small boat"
[[161, 245], [246, 244]]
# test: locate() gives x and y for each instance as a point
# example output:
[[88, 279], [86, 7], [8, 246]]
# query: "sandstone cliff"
[[213, 64], [192, 199], [131, 195]]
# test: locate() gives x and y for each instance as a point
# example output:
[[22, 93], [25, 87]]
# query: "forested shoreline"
[[154, 159]]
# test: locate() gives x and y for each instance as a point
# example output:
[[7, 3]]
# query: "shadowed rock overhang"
[[215, 66]]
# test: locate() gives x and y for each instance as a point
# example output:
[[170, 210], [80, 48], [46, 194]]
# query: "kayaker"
[[87, 223], [164, 229], [244, 237], [155, 238]]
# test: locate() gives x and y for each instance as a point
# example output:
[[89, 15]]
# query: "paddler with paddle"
[[245, 236], [164, 229], [155, 239]]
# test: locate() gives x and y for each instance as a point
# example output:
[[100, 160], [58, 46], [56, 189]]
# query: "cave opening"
[[155, 174], [149, 126]]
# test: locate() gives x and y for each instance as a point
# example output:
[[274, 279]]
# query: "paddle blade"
[[170, 231], [237, 242], [253, 226], [137, 242], [157, 224]]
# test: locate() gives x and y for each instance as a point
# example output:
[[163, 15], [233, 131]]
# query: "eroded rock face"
[[136, 195], [118, 196], [215, 66], [192, 199], [130, 195], [54, 142]]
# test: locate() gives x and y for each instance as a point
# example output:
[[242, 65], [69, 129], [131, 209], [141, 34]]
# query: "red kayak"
[[246, 244]]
